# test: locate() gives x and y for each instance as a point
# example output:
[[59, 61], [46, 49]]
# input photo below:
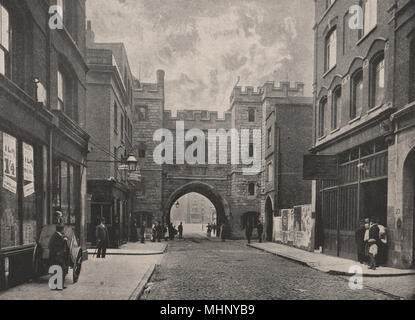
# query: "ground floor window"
[[18, 185], [66, 188]]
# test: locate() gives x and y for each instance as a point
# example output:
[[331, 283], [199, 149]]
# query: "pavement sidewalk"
[[118, 277], [327, 264], [136, 249]]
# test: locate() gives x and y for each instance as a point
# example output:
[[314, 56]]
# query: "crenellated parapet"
[[284, 90], [268, 90], [202, 119], [144, 90]]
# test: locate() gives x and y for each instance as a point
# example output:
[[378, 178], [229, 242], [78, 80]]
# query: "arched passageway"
[[220, 203]]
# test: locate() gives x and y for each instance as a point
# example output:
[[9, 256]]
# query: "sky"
[[205, 45]]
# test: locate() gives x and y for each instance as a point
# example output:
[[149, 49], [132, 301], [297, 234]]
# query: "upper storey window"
[[331, 50], [4, 41], [322, 117], [378, 82], [370, 9], [60, 4], [357, 95]]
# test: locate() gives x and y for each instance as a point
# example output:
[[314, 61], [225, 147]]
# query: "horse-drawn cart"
[[72, 253]]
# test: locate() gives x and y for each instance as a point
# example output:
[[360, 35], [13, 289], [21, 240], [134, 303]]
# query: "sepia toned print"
[[207, 150]]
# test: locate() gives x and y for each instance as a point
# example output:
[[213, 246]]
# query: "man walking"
[[180, 229], [260, 230], [102, 237]]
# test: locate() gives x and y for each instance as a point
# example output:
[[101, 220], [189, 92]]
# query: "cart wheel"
[[37, 262], [77, 267]]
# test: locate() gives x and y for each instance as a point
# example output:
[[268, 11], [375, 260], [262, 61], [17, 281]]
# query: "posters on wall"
[[28, 168], [9, 163], [295, 227]]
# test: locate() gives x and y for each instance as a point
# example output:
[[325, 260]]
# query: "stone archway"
[[269, 219], [220, 203]]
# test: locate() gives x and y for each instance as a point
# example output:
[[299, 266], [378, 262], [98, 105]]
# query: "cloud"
[[204, 45]]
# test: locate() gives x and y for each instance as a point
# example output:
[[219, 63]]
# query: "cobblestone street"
[[197, 268]]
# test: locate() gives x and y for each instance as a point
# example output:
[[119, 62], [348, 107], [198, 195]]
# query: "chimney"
[[160, 78], [90, 35]]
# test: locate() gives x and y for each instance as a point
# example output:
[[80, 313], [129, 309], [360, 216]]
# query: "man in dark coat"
[[360, 241], [58, 250], [102, 237], [143, 232], [373, 243], [180, 229], [260, 229]]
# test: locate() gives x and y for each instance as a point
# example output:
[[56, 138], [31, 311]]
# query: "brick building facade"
[[109, 123], [363, 90], [42, 121]]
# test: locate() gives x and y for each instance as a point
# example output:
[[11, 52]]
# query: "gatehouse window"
[[251, 189], [251, 115], [142, 113]]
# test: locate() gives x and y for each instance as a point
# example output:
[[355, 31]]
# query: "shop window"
[[377, 95], [251, 114], [331, 50], [357, 95], [29, 195], [322, 117], [9, 210], [4, 42], [18, 225], [66, 185], [336, 108]]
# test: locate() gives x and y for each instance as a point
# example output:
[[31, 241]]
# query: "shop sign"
[[320, 167], [9, 163], [28, 169]]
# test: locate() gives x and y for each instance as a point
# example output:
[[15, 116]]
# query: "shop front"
[[359, 192], [110, 200]]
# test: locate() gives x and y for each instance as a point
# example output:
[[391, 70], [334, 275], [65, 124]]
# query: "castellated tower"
[[148, 110]]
